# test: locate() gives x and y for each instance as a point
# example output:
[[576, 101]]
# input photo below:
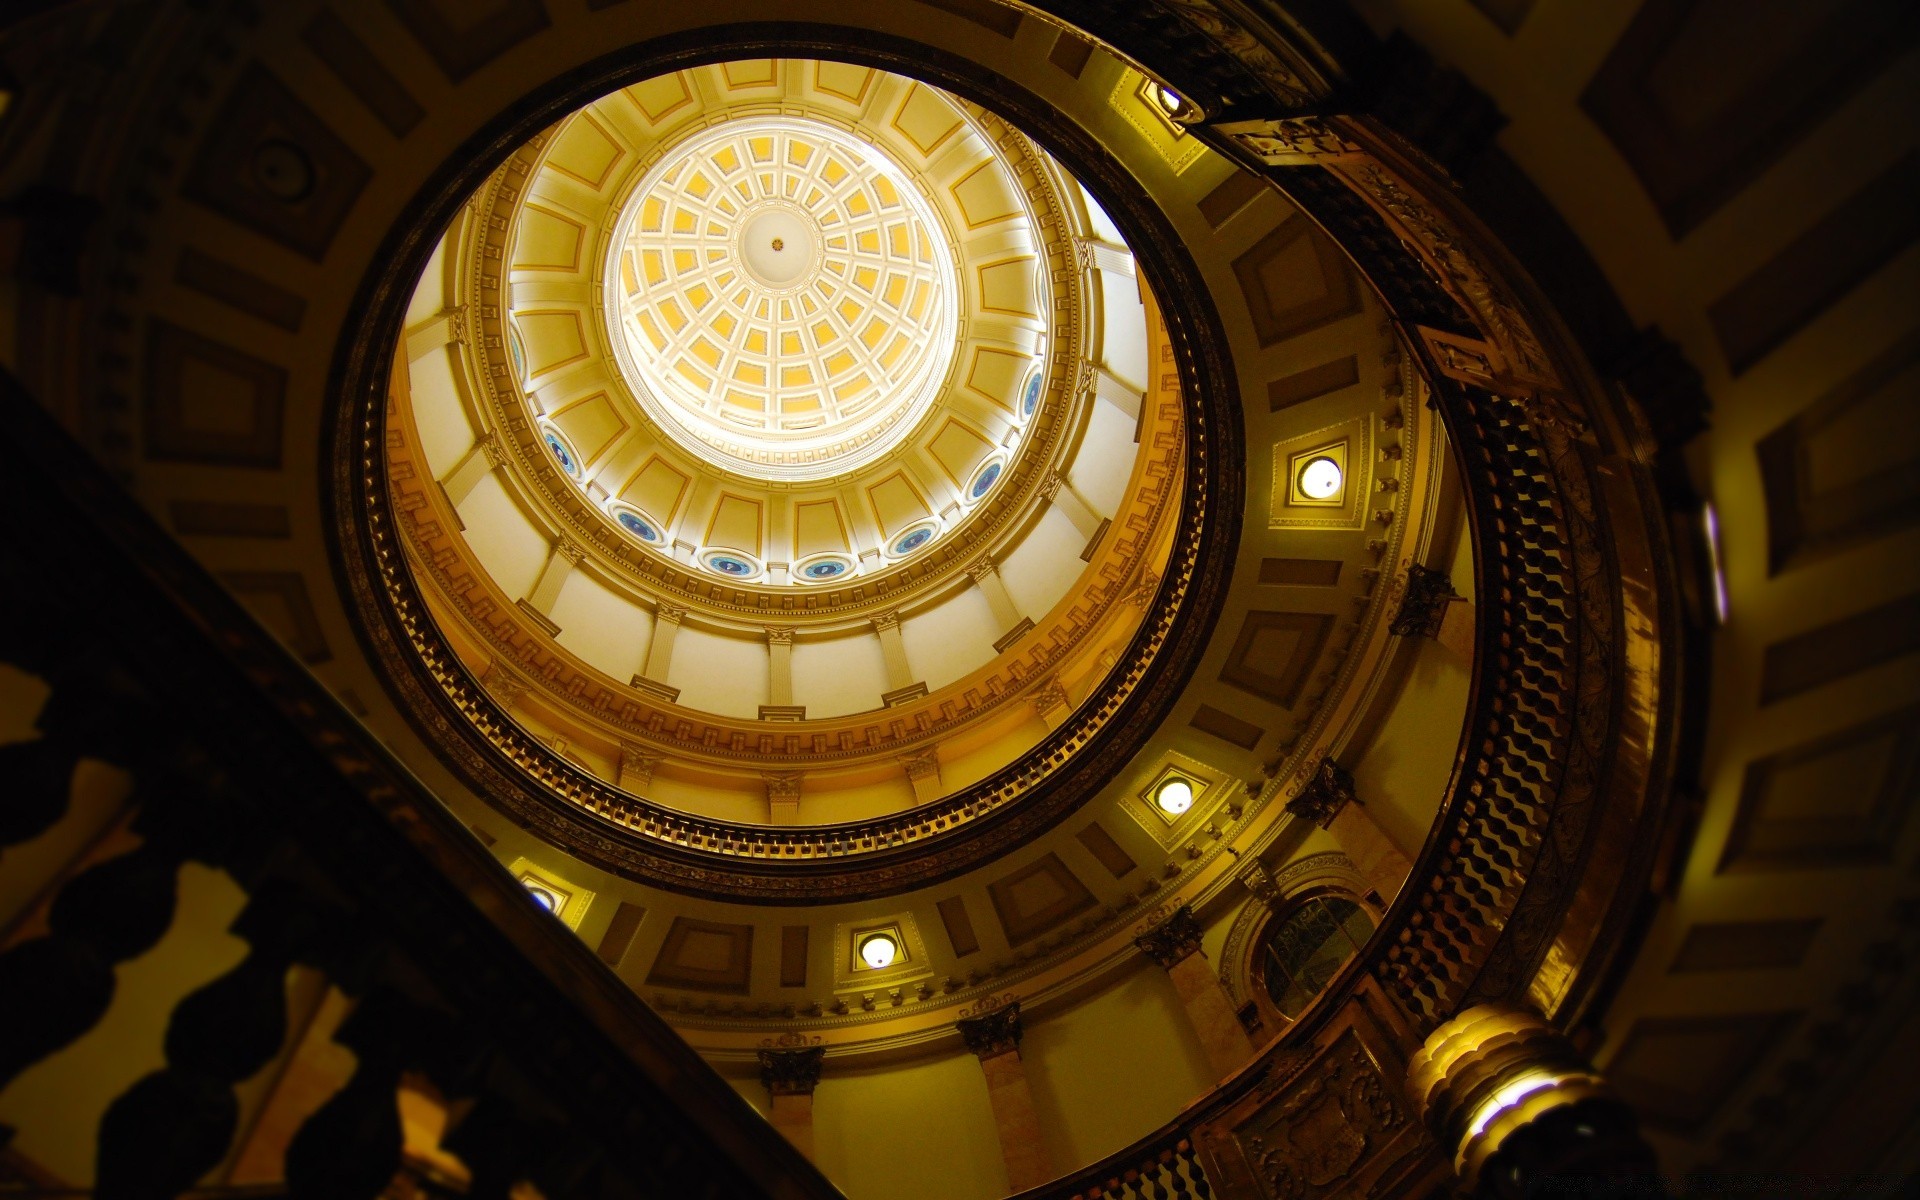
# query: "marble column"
[[1174, 943], [790, 1069], [1329, 801], [991, 1029]]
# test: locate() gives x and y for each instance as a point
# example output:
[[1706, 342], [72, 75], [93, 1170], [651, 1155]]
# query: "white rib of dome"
[[785, 303]]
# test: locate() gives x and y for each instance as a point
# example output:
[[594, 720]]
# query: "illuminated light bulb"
[[544, 898], [1174, 797], [879, 951], [1169, 100], [1320, 479]]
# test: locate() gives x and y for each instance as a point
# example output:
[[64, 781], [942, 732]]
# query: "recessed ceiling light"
[[1320, 479], [1174, 797], [544, 898], [1169, 100], [879, 950]]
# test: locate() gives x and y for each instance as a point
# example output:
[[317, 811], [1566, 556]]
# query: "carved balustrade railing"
[[554, 1072], [1543, 846]]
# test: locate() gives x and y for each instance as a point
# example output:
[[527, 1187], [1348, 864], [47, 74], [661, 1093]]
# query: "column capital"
[[1259, 881], [1144, 591], [1050, 486], [922, 766], [673, 614], [489, 447], [1050, 695], [638, 761], [982, 569], [1172, 939], [992, 1026], [777, 636], [1329, 791], [885, 621], [790, 1064], [783, 787], [570, 550], [1424, 606]]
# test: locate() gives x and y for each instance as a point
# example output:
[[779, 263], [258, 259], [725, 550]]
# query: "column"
[[1052, 704], [1175, 944], [637, 765], [991, 1029], [1510, 1100], [1432, 609], [923, 772], [1118, 392], [780, 668], [1328, 801], [893, 648], [1105, 256], [790, 1069], [434, 332], [466, 475], [783, 797], [666, 625], [553, 577], [1090, 524], [986, 577]]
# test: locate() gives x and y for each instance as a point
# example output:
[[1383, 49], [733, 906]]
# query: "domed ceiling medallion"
[[785, 300]]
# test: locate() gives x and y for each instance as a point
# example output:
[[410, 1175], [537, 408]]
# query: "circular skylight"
[[784, 301]]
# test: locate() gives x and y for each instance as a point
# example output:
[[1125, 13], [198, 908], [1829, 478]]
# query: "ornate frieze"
[[1292, 141]]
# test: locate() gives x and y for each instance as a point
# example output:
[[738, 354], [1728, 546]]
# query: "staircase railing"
[[555, 1074]]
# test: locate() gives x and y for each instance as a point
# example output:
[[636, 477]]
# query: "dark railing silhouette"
[[557, 1074]]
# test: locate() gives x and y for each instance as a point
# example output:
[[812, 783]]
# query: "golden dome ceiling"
[[788, 299], [804, 467]]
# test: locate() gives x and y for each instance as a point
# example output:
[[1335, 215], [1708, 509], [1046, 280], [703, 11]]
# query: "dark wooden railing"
[[556, 1074]]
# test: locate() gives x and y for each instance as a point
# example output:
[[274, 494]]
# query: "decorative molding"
[[1329, 791], [1173, 939], [1292, 141], [783, 787], [1423, 606], [925, 765], [782, 636], [991, 1026], [790, 1064]]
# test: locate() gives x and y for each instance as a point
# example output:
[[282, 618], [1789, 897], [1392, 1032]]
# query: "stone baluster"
[[790, 1070], [1174, 943], [351, 1146], [992, 1031], [1328, 800]]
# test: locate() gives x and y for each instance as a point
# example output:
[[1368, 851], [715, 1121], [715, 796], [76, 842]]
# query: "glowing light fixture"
[[1320, 479], [1710, 520], [544, 898], [1169, 100], [1174, 797], [879, 950]]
